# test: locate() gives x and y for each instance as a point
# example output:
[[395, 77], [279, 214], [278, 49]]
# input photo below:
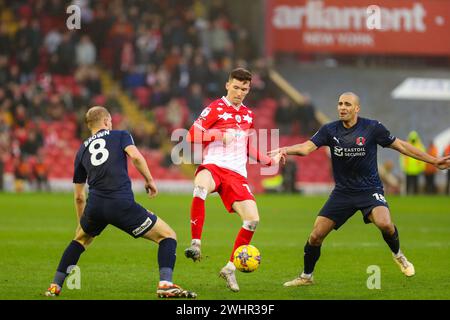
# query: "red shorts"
[[230, 185]]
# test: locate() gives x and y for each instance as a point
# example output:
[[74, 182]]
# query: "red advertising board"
[[411, 27]]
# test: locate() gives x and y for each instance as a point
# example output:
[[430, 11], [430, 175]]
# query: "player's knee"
[[316, 239], [250, 225], [83, 238], [172, 234], [85, 241], [200, 192], [387, 227], [167, 232]]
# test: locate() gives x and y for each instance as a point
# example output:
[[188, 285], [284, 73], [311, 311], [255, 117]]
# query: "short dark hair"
[[241, 74]]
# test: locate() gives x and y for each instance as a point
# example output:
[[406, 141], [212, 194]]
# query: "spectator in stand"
[[195, 101], [52, 41], [198, 72], [430, 171], [219, 39], [181, 78], [160, 95], [22, 174], [26, 50], [55, 108], [20, 116], [37, 106], [5, 40], [307, 117], [100, 26], [289, 173], [33, 143], [285, 115], [4, 73], [112, 101], [89, 78], [85, 52], [127, 58], [213, 86], [5, 149], [176, 116], [40, 174], [66, 55], [411, 167]]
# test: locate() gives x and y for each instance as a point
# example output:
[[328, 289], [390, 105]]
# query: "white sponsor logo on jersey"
[[338, 151]]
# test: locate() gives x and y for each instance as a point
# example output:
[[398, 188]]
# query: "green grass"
[[36, 228]]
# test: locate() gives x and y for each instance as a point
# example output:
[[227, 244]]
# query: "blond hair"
[[95, 115]]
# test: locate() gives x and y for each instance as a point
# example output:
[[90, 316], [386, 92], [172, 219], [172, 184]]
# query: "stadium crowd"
[[171, 57]]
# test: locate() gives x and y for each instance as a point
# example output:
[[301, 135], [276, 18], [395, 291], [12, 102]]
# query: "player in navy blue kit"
[[353, 143], [102, 161]]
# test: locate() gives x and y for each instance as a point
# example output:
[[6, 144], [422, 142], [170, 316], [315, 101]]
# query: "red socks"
[[244, 237], [197, 217]]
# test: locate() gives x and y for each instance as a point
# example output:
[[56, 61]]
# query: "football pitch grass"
[[36, 228]]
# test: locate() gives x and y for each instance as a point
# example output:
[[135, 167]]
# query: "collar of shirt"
[[229, 104], [352, 127]]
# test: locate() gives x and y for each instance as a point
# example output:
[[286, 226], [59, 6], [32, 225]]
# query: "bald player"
[[102, 161], [353, 143]]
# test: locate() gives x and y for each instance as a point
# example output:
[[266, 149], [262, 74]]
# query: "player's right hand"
[[151, 189]]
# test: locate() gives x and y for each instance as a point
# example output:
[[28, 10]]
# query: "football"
[[247, 258]]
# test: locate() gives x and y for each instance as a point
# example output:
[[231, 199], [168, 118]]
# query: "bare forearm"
[[258, 156], [80, 203], [141, 166], [413, 152], [297, 150]]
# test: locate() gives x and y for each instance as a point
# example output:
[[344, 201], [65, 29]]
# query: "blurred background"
[[155, 64]]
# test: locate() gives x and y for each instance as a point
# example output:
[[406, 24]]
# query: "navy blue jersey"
[[102, 160], [354, 152]]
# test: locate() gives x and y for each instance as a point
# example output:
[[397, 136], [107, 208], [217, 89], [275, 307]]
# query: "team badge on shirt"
[[360, 141], [205, 113], [238, 118]]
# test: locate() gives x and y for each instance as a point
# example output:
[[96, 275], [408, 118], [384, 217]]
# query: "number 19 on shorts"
[[379, 197]]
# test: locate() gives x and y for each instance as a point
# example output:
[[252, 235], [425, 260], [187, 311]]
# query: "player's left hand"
[[274, 152], [443, 162], [151, 189], [279, 158]]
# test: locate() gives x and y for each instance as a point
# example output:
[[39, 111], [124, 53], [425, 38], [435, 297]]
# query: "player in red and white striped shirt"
[[224, 128]]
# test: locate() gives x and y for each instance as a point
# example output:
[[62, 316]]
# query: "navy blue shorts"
[[124, 214], [342, 205]]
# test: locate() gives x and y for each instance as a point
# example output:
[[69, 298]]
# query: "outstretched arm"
[[274, 159], [141, 165], [301, 149], [409, 150]]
